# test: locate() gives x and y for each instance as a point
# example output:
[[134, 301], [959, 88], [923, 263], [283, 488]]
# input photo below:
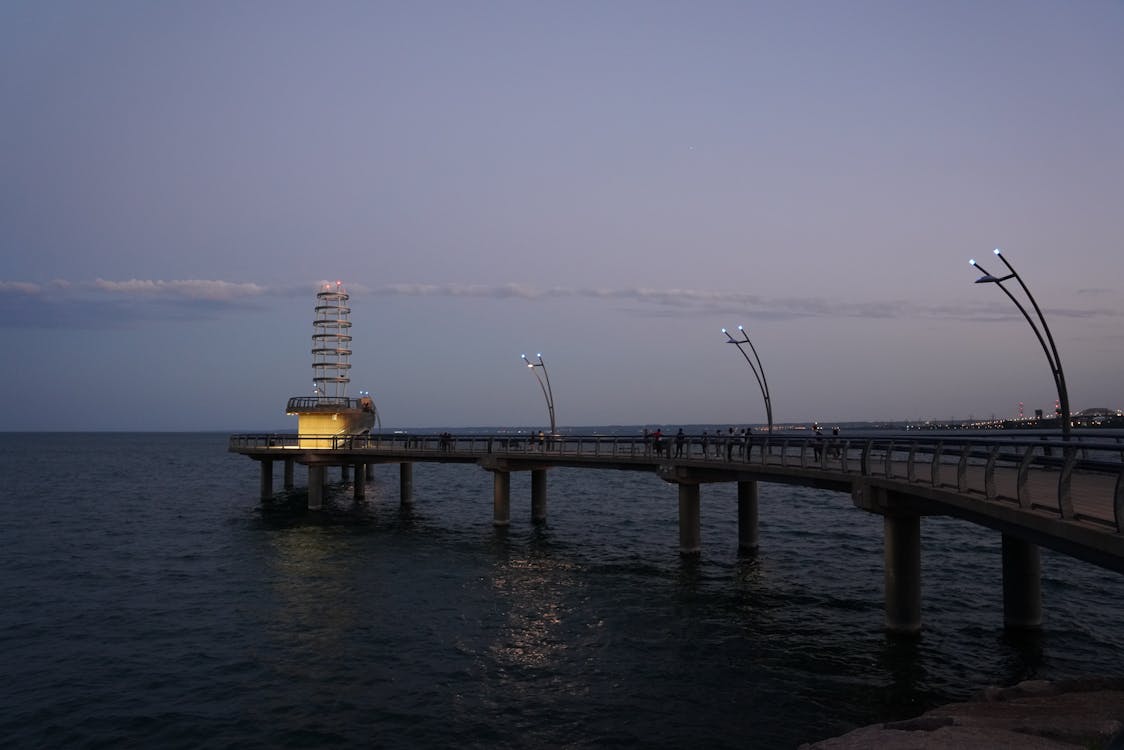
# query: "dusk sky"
[[608, 183]]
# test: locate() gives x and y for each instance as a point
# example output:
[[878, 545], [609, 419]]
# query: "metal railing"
[[321, 403], [1081, 479]]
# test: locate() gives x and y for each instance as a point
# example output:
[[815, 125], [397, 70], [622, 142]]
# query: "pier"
[[1066, 495]]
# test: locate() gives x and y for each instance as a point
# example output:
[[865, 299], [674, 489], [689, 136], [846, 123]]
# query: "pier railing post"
[[990, 491], [935, 466], [1065, 498], [1118, 501], [1022, 487], [962, 469]]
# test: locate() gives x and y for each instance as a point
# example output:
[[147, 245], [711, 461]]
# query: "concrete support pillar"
[[747, 516], [689, 534], [538, 495], [369, 472], [501, 498], [902, 560], [360, 486], [288, 473], [266, 478], [315, 487], [406, 483], [343, 472], [1022, 584]]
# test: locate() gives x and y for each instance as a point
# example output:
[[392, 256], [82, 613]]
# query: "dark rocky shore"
[[1078, 714]]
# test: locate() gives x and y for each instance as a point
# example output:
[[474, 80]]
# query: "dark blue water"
[[150, 600]]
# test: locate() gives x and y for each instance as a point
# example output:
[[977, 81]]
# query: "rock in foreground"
[[1033, 715]]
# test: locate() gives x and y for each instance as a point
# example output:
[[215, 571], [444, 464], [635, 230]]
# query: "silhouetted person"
[[679, 438]]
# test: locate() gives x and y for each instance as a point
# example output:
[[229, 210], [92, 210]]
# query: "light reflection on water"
[[528, 587]]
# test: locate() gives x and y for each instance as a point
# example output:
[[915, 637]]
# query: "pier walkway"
[[1067, 496]]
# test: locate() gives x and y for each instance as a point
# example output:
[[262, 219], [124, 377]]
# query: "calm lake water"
[[149, 599]]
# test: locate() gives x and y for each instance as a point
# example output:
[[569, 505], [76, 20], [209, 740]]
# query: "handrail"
[[978, 462]]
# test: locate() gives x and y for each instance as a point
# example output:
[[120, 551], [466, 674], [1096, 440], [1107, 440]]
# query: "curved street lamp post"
[[544, 383], [758, 369], [1047, 341]]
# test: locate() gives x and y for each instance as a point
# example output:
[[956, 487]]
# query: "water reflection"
[[532, 589], [311, 571], [748, 571]]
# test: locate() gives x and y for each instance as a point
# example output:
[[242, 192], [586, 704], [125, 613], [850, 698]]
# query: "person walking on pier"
[[705, 443], [679, 438], [657, 441]]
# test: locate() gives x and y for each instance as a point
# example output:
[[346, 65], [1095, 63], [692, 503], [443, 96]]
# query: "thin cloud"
[[187, 289], [23, 288], [202, 289], [105, 303], [110, 303], [700, 301]]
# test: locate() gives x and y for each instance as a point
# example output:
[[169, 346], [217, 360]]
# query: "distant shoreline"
[[1045, 426]]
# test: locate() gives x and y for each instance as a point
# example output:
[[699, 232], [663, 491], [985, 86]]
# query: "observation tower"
[[330, 412]]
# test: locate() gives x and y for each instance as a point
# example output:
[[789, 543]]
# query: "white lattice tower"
[[331, 342]]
